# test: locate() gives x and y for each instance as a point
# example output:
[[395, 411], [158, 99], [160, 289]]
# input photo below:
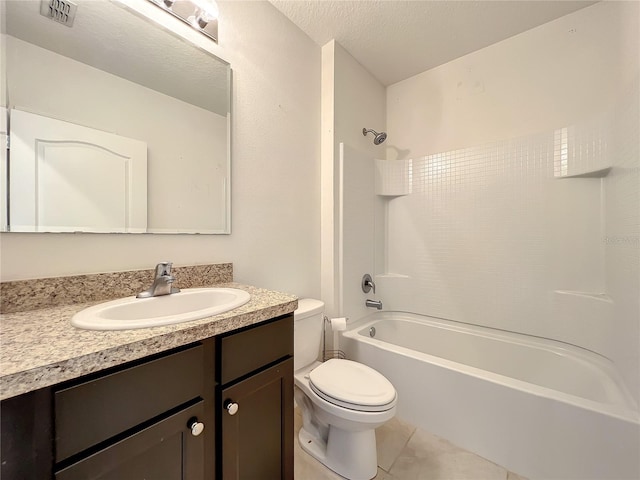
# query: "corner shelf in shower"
[[391, 275], [598, 173], [392, 195]]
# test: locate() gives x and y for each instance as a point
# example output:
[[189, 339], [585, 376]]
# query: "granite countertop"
[[40, 347]]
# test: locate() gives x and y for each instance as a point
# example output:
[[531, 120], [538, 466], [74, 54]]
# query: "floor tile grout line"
[[415, 429]]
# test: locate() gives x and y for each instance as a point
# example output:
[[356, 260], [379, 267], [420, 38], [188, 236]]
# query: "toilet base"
[[350, 454]]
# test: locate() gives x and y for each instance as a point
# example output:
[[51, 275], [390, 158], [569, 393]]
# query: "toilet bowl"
[[342, 402]]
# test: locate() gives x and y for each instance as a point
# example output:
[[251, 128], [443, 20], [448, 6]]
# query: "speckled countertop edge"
[[39, 348]]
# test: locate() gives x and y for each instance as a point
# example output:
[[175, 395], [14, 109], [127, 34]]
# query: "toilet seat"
[[352, 385]]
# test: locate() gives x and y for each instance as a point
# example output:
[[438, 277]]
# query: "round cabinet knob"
[[195, 426], [232, 407]]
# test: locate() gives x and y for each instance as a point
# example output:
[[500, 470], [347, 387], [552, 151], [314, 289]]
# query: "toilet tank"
[[307, 331]]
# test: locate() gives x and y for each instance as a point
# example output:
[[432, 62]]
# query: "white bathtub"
[[540, 408]]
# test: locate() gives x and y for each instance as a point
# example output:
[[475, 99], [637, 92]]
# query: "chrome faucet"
[[161, 283], [373, 304]]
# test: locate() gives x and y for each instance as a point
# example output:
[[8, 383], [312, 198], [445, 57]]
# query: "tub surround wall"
[[352, 99], [497, 240], [40, 347], [621, 197], [523, 208], [357, 230]]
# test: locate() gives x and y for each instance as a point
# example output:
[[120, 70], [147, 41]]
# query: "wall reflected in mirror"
[[116, 125]]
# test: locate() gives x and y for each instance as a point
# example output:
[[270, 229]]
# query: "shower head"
[[379, 137]]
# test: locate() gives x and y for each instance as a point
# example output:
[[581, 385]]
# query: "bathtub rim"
[[627, 412]]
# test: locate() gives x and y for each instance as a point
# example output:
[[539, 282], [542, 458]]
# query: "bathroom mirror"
[[116, 124]]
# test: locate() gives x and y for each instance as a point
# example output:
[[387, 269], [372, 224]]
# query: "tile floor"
[[408, 453]]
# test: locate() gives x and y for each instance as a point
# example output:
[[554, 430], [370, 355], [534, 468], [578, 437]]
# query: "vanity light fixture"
[[202, 15]]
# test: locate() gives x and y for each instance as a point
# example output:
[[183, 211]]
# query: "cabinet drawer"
[[247, 351], [95, 410]]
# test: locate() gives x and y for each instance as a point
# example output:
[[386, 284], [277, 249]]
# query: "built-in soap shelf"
[[601, 297], [393, 177], [391, 275], [599, 173]]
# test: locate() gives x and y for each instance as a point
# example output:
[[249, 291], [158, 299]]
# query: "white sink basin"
[[131, 312]]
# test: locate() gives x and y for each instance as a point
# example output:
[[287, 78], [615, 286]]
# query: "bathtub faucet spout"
[[373, 304]]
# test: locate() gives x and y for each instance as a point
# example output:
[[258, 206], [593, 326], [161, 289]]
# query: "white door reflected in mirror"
[[67, 177]]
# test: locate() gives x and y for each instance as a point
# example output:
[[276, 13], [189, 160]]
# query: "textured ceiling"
[[395, 40]]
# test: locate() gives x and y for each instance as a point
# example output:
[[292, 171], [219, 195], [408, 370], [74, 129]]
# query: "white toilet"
[[342, 402]]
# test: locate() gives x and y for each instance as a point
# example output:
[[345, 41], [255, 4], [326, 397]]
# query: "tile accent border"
[[24, 295]]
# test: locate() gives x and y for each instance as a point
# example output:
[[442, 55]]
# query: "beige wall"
[[275, 174], [549, 77]]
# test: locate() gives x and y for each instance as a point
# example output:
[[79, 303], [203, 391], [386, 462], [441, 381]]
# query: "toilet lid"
[[352, 385]]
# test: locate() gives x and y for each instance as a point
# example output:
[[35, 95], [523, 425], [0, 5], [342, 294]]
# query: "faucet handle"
[[163, 269], [367, 284]]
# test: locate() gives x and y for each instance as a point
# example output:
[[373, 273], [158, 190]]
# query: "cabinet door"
[[26, 436], [257, 440], [166, 450]]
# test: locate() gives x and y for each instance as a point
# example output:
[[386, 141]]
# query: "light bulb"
[[207, 11]]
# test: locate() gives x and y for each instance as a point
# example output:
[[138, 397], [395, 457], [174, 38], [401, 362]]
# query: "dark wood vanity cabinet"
[[128, 422], [142, 420]]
